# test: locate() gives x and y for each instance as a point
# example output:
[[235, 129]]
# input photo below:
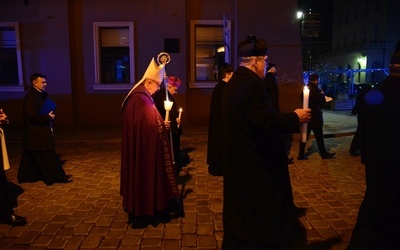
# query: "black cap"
[[252, 47]]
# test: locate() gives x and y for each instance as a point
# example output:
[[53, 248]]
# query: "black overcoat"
[[215, 131], [258, 201], [316, 103], [378, 222], [38, 135]]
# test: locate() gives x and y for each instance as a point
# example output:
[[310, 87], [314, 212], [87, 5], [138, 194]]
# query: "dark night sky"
[[324, 8]]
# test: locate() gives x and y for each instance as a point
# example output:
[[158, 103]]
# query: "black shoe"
[[354, 152], [290, 161], [14, 220], [327, 155], [302, 157], [65, 179]]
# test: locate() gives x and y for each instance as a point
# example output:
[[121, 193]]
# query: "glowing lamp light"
[[299, 14], [362, 59], [221, 49]]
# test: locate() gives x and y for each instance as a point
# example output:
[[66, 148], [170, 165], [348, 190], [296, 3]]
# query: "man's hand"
[[304, 115], [53, 116], [167, 124], [3, 117]]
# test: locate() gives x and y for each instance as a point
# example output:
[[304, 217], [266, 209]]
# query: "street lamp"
[[309, 29]]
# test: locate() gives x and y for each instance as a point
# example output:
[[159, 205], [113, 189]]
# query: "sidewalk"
[[87, 213]]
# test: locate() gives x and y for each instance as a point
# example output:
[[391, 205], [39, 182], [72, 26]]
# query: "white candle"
[[306, 95], [180, 114], [167, 107]]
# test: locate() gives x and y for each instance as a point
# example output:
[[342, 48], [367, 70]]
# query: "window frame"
[[20, 87], [193, 23], [97, 64]]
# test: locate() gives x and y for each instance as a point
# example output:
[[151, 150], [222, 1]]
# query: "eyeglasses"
[[262, 58], [155, 82]]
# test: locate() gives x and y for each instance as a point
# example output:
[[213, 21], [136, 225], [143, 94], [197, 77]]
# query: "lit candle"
[[167, 107], [179, 117], [306, 95], [180, 114]]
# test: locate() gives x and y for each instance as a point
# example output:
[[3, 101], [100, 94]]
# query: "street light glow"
[[299, 14]]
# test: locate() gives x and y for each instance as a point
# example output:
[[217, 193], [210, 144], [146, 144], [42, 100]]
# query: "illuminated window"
[[114, 55], [209, 48], [10, 58]]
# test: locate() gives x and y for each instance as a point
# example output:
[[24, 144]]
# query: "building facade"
[[94, 51], [364, 35]]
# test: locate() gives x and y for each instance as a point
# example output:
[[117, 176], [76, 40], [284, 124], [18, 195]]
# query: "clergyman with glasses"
[[259, 211], [148, 183]]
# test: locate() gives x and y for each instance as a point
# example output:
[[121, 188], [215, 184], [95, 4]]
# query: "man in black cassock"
[[215, 130], [258, 210], [378, 222], [39, 160]]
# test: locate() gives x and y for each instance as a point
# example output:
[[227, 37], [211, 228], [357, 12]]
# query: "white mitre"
[[154, 72]]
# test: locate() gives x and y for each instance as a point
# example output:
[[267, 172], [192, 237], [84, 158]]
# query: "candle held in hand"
[[180, 113], [306, 95], [167, 107]]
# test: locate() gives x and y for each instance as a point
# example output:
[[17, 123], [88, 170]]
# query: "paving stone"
[[158, 234], [131, 239], [51, 229], [27, 237], [58, 243], [206, 241], [172, 232], [147, 243], [189, 240], [171, 244], [83, 228], [110, 243], [41, 241]]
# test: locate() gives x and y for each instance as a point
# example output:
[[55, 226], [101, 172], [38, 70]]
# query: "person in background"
[[258, 207], [7, 203], [271, 82], [159, 97], [357, 146], [316, 102], [148, 182], [215, 130], [378, 221], [39, 160]]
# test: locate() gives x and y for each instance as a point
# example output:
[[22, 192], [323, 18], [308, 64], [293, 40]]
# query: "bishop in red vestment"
[[148, 184]]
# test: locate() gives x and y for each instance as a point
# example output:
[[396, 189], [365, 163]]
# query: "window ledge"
[[202, 85], [112, 86], [12, 89]]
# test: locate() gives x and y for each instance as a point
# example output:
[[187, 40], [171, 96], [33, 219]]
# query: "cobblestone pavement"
[[87, 213]]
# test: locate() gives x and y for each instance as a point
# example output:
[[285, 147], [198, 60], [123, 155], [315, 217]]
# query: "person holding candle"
[[176, 130], [215, 130], [316, 102], [148, 182], [258, 207]]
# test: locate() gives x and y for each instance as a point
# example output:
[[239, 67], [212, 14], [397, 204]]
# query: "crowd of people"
[[247, 145]]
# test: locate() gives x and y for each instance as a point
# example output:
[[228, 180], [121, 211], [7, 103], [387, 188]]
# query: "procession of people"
[[246, 147]]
